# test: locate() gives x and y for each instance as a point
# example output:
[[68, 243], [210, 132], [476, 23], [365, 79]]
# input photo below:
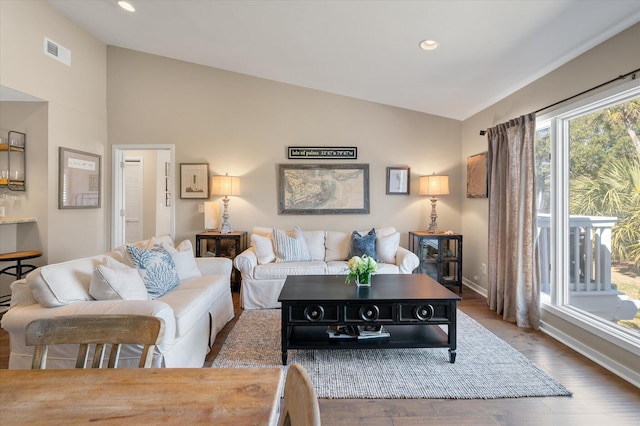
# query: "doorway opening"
[[142, 195]]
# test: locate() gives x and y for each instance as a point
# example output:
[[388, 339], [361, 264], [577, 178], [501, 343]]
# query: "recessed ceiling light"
[[428, 44], [126, 6]]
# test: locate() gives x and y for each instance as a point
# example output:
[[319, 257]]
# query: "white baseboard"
[[475, 287], [599, 358]]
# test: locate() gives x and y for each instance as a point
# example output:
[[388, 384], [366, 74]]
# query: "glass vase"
[[363, 279]]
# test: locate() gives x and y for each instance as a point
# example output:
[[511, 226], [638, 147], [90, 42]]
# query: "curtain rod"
[[620, 77]]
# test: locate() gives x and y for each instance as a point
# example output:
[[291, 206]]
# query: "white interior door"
[[118, 211], [133, 199]]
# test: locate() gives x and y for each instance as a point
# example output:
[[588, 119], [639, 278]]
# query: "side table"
[[440, 256], [222, 245]]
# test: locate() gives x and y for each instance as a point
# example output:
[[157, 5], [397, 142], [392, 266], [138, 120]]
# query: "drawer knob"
[[369, 312], [423, 312], [314, 313]]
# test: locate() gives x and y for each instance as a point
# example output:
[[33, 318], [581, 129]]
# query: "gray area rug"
[[486, 367]]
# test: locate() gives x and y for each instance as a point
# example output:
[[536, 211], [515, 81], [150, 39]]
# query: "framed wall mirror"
[[79, 179]]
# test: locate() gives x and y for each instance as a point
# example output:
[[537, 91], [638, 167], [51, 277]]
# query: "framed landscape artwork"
[[194, 180], [323, 189]]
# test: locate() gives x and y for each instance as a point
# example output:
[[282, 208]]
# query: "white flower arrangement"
[[361, 268]]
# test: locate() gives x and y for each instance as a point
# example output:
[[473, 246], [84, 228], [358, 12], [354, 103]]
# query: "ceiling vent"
[[55, 50]]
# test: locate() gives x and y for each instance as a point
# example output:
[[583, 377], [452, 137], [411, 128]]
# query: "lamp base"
[[225, 228], [433, 227]]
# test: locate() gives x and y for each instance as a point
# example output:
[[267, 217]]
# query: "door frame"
[[117, 188]]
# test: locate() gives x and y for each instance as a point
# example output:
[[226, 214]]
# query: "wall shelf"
[[13, 161]]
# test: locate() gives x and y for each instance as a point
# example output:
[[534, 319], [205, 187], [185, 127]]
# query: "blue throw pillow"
[[156, 268], [363, 244]]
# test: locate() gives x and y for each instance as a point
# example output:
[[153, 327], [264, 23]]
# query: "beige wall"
[[242, 125], [614, 57], [76, 99]]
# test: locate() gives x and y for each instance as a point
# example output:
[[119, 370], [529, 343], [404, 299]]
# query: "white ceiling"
[[368, 49]]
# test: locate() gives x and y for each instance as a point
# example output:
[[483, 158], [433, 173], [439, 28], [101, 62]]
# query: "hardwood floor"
[[599, 397]]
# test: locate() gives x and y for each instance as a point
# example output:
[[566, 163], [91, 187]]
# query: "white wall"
[[76, 99], [242, 125]]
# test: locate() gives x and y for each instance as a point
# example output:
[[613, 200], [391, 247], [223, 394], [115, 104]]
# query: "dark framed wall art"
[[323, 189], [398, 180], [194, 180]]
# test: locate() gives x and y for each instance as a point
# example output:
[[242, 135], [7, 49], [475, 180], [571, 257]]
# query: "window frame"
[[557, 302]]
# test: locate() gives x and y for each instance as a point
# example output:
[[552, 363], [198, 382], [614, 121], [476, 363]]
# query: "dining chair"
[[98, 330], [300, 401]]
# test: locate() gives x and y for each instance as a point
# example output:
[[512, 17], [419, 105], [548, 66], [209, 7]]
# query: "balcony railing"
[[589, 253], [590, 287]]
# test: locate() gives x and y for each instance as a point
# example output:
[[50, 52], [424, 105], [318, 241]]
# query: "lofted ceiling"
[[368, 49]]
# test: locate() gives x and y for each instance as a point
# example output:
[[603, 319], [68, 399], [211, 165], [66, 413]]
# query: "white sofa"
[[194, 311], [263, 276]]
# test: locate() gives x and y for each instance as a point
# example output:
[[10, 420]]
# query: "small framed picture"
[[194, 180], [397, 180]]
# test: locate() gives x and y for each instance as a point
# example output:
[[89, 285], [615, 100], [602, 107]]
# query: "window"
[[588, 203]]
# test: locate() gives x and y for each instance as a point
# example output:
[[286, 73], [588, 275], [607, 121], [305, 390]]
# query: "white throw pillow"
[[387, 247], [337, 245], [290, 247], [113, 280], [184, 260], [264, 248]]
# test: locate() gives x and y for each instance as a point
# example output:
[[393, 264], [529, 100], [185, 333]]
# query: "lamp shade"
[[434, 185], [225, 185]]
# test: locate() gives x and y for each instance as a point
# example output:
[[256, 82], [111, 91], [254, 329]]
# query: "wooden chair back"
[[300, 401], [98, 330]]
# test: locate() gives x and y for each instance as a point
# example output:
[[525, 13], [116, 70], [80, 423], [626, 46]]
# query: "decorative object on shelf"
[[477, 176], [434, 185], [323, 152], [79, 179], [361, 269], [321, 189], [398, 180], [225, 185], [194, 180]]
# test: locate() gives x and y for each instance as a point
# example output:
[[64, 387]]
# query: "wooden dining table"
[[186, 396]]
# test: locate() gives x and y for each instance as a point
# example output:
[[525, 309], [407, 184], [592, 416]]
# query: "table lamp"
[[434, 185], [225, 185]]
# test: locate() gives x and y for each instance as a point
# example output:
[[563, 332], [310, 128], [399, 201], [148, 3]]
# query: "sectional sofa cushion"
[[264, 248], [113, 280], [63, 283], [183, 259], [387, 247]]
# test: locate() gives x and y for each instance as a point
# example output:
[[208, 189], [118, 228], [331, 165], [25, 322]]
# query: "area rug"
[[486, 367]]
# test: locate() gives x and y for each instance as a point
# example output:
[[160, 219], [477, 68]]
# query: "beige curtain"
[[513, 289]]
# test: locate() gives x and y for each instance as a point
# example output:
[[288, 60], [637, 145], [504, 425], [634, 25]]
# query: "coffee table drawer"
[[425, 312], [313, 312], [368, 312]]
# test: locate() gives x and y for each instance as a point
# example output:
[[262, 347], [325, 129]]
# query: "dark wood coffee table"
[[411, 307]]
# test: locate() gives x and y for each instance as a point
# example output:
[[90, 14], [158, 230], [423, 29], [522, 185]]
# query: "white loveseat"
[[194, 311], [263, 275]]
